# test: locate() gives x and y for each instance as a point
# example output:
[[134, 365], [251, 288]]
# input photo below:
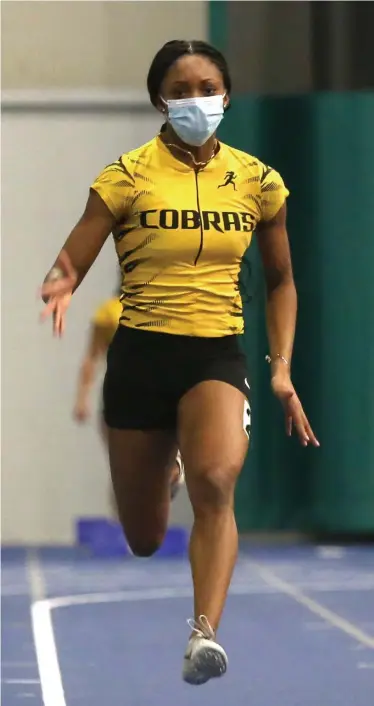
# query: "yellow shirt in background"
[[181, 235], [107, 316]]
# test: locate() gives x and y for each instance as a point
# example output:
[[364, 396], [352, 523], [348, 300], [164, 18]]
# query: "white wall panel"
[[52, 471]]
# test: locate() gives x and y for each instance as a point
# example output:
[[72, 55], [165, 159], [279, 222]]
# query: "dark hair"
[[174, 50]]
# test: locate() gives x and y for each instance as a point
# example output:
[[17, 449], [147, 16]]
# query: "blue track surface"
[[120, 632]]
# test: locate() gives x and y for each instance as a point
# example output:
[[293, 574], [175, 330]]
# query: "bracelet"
[[281, 357], [55, 274]]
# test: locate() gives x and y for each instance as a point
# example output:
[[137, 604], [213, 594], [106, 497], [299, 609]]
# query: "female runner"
[[182, 210], [102, 329]]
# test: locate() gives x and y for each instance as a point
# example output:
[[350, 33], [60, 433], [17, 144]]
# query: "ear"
[[226, 102], [161, 107]]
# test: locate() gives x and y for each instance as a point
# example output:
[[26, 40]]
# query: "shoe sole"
[[179, 482], [175, 488], [207, 664]]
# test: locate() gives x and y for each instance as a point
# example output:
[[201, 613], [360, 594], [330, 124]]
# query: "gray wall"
[[295, 47], [90, 44], [269, 46], [53, 471]]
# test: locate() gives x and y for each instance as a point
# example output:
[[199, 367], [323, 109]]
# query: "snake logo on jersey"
[[180, 240]]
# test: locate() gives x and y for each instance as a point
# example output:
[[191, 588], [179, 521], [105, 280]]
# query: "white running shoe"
[[177, 484], [204, 658]]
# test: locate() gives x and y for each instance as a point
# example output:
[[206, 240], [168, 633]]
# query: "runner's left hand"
[[295, 416]]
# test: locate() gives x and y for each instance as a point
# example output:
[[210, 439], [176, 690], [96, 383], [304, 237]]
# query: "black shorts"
[[149, 372]]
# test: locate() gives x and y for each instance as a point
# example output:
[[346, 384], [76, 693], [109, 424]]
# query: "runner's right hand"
[[57, 292]]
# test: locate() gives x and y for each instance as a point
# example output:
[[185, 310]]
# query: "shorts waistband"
[[170, 341]]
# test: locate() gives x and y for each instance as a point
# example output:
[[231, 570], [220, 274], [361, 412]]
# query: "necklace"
[[198, 165]]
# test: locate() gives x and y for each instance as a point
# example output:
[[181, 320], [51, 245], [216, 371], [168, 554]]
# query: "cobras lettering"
[[171, 219]]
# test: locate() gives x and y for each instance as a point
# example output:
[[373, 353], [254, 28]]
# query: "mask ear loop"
[[164, 109], [164, 113]]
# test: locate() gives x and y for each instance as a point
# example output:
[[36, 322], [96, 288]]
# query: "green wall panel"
[[323, 145]]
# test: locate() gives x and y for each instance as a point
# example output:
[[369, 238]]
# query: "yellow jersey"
[[181, 235], [106, 317]]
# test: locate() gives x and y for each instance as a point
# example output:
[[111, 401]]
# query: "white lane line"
[[35, 575], [271, 579], [45, 644], [330, 552], [49, 669], [44, 639], [46, 653], [18, 665], [140, 594], [21, 681]]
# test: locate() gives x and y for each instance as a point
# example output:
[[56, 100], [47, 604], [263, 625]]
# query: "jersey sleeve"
[[273, 193], [115, 185]]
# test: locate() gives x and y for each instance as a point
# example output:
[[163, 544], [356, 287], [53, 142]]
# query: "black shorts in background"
[[149, 372]]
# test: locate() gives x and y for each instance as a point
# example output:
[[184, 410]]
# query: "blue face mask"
[[195, 120]]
